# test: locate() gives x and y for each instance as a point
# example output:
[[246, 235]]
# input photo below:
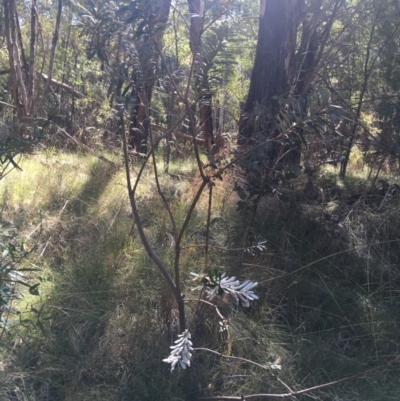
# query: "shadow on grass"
[[102, 317], [110, 314], [100, 176], [331, 269]]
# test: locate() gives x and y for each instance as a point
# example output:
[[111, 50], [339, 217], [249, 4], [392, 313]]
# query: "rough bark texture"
[[140, 123], [269, 75], [54, 41], [32, 57], [196, 10], [15, 62], [291, 41], [139, 120], [23, 84], [273, 65]]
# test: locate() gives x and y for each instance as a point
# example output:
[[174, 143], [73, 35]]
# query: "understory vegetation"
[[328, 289], [199, 200]]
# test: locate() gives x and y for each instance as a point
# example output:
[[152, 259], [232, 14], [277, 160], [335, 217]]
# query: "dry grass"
[[328, 289]]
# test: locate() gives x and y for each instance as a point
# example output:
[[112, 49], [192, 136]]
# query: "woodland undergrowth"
[[328, 274]]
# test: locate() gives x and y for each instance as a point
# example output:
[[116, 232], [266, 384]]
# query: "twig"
[[184, 99], [190, 212], [307, 390], [232, 357], [210, 184], [8, 104], [62, 85], [208, 303], [80, 144], [54, 41], [51, 236], [327, 257], [160, 192], [156, 142], [153, 256], [178, 134], [224, 248], [287, 386]]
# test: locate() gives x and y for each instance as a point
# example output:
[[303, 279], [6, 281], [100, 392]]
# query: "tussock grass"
[[334, 264], [329, 284]]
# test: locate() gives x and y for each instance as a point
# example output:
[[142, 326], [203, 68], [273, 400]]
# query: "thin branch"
[[208, 303], [160, 192], [185, 101], [13, 59], [40, 34], [237, 358], [305, 391], [32, 57], [21, 43], [62, 85], [153, 256], [224, 248], [18, 51], [178, 134], [78, 143], [73, 91], [206, 248], [327, 257], [190, 212], [52, 56], [156, 142], [8, 104]]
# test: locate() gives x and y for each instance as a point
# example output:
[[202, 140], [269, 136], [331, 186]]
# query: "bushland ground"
[[329, 282]]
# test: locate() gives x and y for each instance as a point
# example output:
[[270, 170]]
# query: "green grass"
[[329, 285]]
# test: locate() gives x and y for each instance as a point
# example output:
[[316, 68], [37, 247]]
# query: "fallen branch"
[[89, 150], [62, 85], [82, 145], [68, 88], [177, 134], [7, 104], [294, 393]]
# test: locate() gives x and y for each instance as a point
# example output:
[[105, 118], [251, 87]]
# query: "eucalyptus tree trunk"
[[291, 48], [197, 10], [140, 120], [18, 84], [23, 74], [273, 69]]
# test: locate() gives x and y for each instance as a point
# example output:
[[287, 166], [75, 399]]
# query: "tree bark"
[[283, 67], [139, 120], [52, 55], [32, 58], [197, 10], [18, 87], [23, 84], [273, 69]]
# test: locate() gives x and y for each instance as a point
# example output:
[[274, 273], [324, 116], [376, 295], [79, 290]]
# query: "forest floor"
[[329, 285]]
